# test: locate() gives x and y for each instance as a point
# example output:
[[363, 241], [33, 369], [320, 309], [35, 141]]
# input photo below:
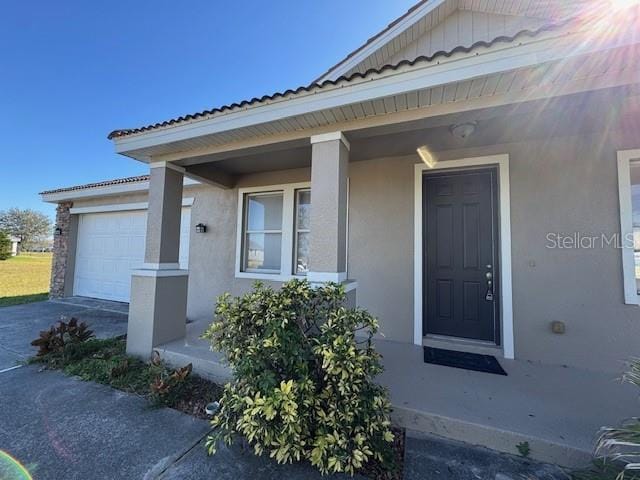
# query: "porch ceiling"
[[569, 115]]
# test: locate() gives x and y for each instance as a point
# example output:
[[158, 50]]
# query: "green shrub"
[[5, 246], [303, 384]]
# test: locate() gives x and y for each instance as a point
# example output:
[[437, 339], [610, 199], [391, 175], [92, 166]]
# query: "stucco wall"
[[561, 184]]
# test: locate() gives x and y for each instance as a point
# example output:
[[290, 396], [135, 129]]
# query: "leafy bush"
[[303, 385], [59, 335], [167, 386], [618, 449], [5, 246]]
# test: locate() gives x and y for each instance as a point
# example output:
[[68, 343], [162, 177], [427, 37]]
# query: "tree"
[[31, 226], [5, 246]]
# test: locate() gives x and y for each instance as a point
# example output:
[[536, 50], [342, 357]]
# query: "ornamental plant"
[[303, 384]]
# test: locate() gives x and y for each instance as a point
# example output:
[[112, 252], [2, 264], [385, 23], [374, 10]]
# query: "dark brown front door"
[[460, 262]]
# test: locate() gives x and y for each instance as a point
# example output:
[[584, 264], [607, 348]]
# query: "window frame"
[[287, 254], [625, 159], [297, 231], [246, 232]]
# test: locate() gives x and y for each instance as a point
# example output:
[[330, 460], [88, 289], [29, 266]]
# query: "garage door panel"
[[111, 245]]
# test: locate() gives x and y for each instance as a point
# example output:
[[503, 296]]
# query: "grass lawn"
[[25, 278]]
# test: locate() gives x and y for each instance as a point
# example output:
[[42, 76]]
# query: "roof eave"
[[405, 77]]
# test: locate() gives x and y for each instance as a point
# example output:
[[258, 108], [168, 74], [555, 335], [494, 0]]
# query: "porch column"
[[328, 245], [158, 308]]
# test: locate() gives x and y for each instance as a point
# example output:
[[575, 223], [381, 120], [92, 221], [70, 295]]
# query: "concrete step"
[[206, 363]]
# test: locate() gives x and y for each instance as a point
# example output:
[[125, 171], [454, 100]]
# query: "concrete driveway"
[[21, 324], [59, 427]]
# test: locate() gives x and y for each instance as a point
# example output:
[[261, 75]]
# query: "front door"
[[460, 268]]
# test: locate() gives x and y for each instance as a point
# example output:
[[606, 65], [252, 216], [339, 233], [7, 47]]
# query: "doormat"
[[464, 360]]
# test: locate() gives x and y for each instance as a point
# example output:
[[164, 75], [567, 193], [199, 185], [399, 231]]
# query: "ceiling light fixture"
[[426, 156], [463, 130]]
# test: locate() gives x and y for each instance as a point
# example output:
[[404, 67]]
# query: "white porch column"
[[158, 308], [328, 248]]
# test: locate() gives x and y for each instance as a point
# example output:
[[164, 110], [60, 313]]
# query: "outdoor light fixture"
[[426, 156], [463, 130], [201, 228], [57, 232]]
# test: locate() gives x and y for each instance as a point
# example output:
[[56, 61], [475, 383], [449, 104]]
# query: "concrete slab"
[[60, 427], [106, 305], [237, 462], [431, 457], [558, 410], [21, 324]]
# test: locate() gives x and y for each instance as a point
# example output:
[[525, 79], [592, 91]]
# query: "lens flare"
[[12, 469], [623, 4]]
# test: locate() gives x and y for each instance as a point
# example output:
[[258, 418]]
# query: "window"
[[629, 190], [263, 232], [302, 229], [274, 229]]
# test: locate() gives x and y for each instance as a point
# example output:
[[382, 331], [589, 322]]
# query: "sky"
[[71, 71]]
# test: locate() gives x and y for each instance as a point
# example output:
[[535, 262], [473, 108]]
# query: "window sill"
[[274, 277]]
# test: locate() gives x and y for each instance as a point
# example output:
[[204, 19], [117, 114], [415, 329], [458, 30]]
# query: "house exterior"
[[469, 174]]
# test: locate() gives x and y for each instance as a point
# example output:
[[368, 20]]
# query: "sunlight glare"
[[619, 5], [426, 157]]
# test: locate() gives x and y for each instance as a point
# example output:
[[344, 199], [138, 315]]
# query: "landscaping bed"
[[106, 362]]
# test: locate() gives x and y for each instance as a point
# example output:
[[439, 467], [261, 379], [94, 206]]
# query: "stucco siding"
[[558, 185], [381, 241]]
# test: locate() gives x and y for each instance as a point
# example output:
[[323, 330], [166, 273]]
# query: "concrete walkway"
[[60, 427]]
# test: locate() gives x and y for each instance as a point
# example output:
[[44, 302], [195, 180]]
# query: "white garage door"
[[112, 244]]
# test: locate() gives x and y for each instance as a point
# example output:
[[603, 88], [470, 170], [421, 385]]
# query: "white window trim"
[[286, 257], [506, 311], [625, 157]]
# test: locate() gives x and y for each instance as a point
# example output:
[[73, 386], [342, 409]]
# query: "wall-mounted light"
[[426, 156], [201, 228], [463, 130], [57, 232]]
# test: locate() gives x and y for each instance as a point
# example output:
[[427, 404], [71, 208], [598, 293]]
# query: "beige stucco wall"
[[561, 184]]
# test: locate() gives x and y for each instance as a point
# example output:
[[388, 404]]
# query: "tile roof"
[[374, 38], [106, 183], [327, 83]]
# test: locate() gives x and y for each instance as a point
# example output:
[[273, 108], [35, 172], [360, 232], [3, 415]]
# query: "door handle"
[[489, 296]]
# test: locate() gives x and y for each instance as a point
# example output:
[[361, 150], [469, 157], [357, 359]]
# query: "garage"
[[110, 245]]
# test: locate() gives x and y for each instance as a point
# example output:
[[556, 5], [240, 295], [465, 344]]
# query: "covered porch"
[[365, 222], [556, 395]]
